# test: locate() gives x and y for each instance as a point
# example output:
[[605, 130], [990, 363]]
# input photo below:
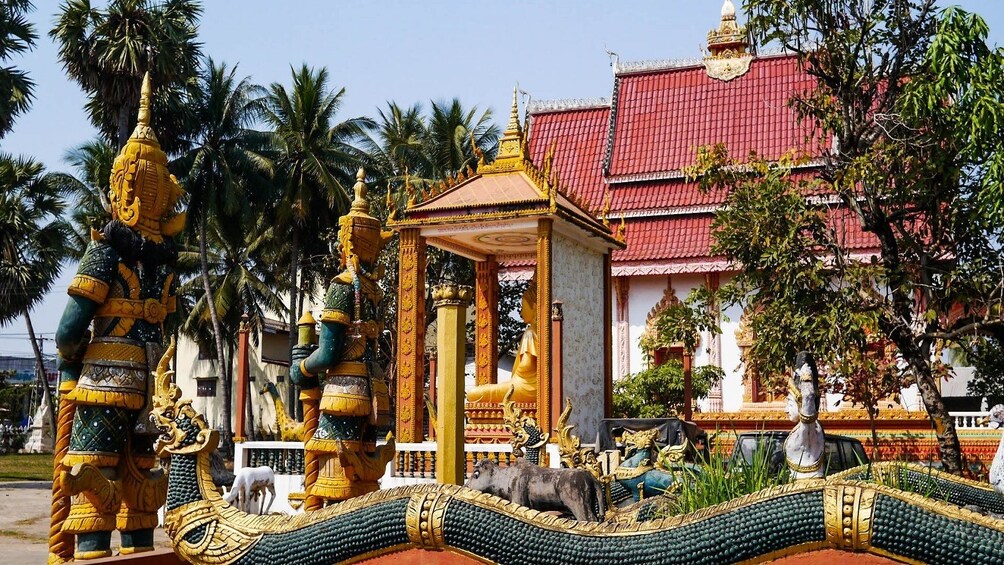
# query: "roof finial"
[[728, 10], [514, 115]]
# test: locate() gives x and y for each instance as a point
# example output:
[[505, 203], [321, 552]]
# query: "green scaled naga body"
[[109, 339], [343, 388]]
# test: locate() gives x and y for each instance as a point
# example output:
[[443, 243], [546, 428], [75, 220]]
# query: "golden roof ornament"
[[143, 194], [729, 56], [511, 154]]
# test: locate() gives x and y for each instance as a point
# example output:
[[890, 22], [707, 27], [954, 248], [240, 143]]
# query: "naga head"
[[143, 194], [526, 432], [638, 441], [803, 390], [360, 235]]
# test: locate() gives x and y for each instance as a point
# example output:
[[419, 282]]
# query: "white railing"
[[964, 420]]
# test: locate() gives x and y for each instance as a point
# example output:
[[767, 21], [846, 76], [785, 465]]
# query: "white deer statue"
[[249, 483]]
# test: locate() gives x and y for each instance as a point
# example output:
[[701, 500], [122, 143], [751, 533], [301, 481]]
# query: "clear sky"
[[400, 50]]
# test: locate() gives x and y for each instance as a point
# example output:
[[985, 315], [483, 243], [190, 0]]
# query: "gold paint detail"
[[88, 287], [411, 336], [517, 423], [729, 56], [847, 514], [336, 317], [151, 310], [424, 520]]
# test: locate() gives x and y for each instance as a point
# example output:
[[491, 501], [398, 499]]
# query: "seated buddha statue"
[[524, 368]]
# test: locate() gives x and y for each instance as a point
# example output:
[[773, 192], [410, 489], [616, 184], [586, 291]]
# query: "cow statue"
[[542, 488]]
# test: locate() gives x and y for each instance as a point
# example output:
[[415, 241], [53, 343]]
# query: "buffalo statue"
[[541, 488]]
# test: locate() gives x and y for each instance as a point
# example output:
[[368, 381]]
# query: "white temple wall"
[[577, 281]]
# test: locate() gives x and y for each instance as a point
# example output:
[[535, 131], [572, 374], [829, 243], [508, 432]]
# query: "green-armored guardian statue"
[[340, 376], [109, 340]]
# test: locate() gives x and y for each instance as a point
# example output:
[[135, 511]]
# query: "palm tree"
[[314, 159], [107, 52], [31, 245], [92, 161], [222, 171], [17, 35], [448, 137], [242, 280], [396, 145]]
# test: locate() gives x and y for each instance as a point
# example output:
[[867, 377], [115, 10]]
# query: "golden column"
[[487, 326], [411, 336], [544, 229], [307, 334], [451, 302]]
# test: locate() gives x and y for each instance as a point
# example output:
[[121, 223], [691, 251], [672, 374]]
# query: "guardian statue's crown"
[[143, 193]]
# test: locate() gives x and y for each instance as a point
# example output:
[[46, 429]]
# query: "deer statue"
[[249, 483], [289, 429], [803, 448]]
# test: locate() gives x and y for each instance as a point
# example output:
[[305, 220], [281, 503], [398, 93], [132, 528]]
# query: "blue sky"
[[405, 51]]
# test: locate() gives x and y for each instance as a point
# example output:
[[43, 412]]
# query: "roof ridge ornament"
[[512, 151], [729, 56]]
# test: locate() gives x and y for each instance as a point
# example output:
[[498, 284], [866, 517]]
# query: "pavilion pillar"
[[622, 288], [608, 369], [411, 336], [557, 356], [451, 302], [487, 321], [544, 247], [243, 376]]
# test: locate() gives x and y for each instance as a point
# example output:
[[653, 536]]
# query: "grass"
[[715, 482], [26, 467]]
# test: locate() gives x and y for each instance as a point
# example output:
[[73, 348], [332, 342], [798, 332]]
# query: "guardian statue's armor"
[[123, 290], [341, 371]]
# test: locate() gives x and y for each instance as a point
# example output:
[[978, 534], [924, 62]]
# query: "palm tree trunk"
[[40, 370], [214, 316], [294, 269], [123, 126]]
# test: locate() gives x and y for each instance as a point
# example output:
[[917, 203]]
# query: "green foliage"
[[92, 162], [987, 356], [657, 392], [911, 97], [107, 51], [716, 481], [13, 398], [17, 35], [32, 234]]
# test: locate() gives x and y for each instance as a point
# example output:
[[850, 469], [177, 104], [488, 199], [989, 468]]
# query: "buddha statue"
[[524, 368]]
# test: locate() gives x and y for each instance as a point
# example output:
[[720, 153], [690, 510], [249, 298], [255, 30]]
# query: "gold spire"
[[143, 131], [729, 55], [359, 204], [514, 127], [510, 156], [729, 40]]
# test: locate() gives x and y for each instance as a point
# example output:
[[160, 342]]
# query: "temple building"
[[627, 157]]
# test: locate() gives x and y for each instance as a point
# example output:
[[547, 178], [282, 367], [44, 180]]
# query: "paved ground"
[[24, 523]]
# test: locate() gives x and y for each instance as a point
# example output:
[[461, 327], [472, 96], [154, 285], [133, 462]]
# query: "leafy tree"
[[450, 134], [17, 35], [88, 191], [224, 172], [658, 392], [911, 97], [107, 52], [315, 164], [32, 235]]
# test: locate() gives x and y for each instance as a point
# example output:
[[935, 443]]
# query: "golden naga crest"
[[144, 194], [573, 455], [359, 234], [526, 432], [645, 439]]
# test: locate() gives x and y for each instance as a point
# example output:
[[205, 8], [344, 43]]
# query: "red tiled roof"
[[676, 193], [662, 117], [667, 237], [581, 137]]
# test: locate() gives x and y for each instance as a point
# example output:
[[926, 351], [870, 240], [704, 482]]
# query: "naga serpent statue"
[[123, 290], [803, 448], [343, 388], [842, 512]]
